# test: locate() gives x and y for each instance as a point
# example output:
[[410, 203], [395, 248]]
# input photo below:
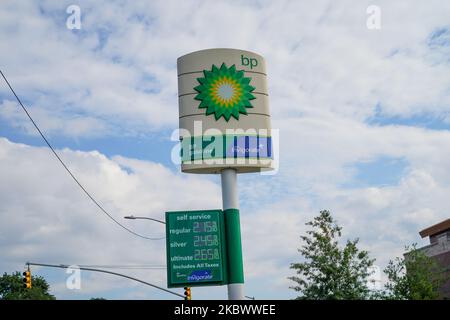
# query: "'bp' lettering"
[[252, 62]]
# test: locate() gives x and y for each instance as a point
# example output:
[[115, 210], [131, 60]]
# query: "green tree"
[[329, 272], [413, 277], [11, 288]]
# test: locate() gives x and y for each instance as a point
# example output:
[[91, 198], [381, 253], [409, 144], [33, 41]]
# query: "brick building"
[[439, 249]]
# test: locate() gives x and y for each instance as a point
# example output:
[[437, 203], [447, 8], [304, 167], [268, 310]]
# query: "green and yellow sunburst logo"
[[224, 92]]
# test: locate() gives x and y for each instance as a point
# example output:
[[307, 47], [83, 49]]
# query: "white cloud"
[[54, 124], [44, 216], [120, 67], [328, 75]]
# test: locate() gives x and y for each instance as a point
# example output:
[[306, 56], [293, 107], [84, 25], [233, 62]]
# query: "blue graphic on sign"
[[200, 275], [249, 147]]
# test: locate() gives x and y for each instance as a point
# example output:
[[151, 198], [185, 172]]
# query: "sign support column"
[[230, 202]]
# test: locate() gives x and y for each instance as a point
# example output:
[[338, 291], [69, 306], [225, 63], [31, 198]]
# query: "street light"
[[146, 218]]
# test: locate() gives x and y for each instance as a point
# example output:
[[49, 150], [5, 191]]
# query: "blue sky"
[[364, 120]]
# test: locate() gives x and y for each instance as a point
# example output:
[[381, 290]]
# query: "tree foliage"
[[413, 277], [11, 288], [328, 271]]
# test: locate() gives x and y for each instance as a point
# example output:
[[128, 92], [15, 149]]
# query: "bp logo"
[[224, 92]]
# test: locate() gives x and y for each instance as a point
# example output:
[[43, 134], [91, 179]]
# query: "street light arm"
[[104, 271]]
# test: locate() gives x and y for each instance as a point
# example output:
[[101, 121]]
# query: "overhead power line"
[[68, 170]]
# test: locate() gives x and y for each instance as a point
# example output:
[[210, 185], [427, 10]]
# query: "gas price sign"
[[195, 248]]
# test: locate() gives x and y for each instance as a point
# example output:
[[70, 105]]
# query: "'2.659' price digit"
[[206, 254]]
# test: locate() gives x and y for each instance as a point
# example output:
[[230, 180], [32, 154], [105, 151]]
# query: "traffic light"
[[27, 279], [187, 293]]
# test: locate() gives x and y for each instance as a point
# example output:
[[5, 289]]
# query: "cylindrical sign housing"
[[224, 113]]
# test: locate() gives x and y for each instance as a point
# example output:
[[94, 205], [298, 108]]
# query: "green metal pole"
[[233, 235], [234, 246]]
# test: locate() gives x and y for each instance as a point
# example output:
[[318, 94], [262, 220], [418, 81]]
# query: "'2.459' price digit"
[[206, 241]]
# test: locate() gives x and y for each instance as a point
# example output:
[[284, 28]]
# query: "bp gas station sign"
[[195, 248], [224, 115], [224, 128]]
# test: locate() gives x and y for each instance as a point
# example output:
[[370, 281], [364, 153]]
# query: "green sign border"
[[224, 262]]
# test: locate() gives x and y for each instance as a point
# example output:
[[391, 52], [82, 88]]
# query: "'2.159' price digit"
[[206, 226]]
